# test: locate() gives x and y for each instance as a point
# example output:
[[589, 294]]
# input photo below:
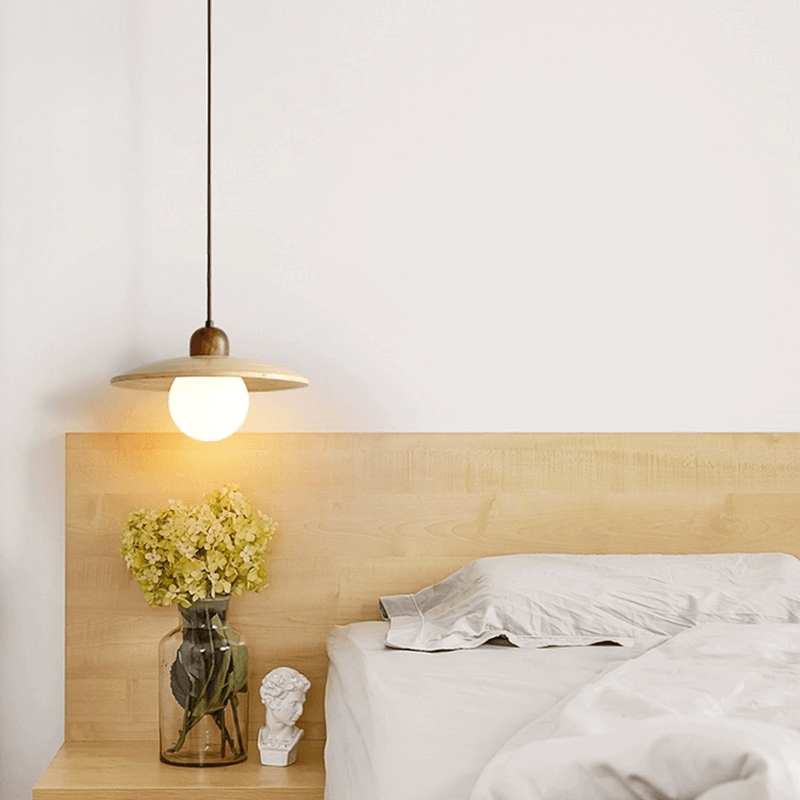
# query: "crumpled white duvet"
[[711, 714]]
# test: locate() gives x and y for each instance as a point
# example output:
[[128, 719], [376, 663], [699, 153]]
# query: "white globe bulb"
[[208, 409]]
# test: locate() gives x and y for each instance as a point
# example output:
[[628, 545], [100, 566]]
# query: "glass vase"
[[203, 688]]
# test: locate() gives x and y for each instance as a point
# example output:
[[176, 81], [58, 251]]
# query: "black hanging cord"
[[209, 321]]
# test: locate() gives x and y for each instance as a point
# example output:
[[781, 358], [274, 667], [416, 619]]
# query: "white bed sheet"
[[713, 712], [405, 725]]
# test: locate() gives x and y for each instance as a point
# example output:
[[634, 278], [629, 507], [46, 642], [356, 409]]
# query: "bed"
[[405, 725], [711, 714], [366, 515], [644, 678]]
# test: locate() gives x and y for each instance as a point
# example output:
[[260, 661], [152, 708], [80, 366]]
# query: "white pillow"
[[537, 600]]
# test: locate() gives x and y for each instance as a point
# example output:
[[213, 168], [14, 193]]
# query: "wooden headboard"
[[362, 515]]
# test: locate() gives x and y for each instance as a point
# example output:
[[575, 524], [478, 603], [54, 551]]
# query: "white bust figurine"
[[283, 692]]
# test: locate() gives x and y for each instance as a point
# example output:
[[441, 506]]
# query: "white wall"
[[449, 214]]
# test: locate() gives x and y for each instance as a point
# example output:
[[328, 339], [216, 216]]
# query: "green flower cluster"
[[184, 553]]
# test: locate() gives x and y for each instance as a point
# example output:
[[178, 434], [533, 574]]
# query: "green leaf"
[[239, 668], [180, 683], [218, 692]]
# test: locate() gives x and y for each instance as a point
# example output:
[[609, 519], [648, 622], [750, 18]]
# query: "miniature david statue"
[[283, 692]]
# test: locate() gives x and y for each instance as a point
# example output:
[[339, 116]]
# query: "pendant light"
[[208, 389]]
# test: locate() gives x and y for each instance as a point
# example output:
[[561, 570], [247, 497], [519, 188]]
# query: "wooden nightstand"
[[132, 771]]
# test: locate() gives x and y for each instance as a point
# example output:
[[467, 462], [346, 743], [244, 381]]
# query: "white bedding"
[[711, 714], [420, 726]]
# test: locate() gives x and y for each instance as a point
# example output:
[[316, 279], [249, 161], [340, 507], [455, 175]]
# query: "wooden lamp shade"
[[258, 377], [209, 359]]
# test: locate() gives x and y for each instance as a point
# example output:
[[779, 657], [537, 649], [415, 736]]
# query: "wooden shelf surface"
[[132, 771]]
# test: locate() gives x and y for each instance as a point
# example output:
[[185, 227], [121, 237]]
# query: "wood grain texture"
[[132, 771], [362, 515]]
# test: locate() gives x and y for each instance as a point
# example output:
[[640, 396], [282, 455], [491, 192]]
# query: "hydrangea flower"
[[184, 553]]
